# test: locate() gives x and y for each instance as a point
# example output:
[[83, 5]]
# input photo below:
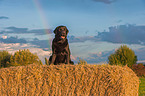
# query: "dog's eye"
[[64, 29], [60, 29]]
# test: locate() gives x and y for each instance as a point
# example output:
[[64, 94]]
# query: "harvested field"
[[68, 80]]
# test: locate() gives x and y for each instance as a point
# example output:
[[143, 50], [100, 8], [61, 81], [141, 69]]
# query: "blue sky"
[[82, 17]]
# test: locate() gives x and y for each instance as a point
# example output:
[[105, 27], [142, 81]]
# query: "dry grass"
[[68, 80]]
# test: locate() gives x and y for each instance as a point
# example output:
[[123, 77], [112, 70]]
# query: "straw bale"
[[68, 80]]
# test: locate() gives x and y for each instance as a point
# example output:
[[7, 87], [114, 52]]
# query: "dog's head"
[[61, 32]]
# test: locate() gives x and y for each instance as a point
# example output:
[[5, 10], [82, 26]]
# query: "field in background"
[[85, 80], [142, 87]]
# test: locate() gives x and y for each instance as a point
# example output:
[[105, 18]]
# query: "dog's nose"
[[63, 32]]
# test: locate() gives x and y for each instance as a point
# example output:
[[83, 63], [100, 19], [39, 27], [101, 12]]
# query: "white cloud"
[[13, 47]]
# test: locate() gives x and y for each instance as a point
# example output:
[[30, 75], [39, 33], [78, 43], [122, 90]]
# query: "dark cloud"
[[26, 30], [3, 17], [41, 43], [17, 30], [129, 34], [73, 39], [41, 31], [13, 40], [105, 1]]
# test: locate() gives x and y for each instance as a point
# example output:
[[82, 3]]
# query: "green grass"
[[142, 87]]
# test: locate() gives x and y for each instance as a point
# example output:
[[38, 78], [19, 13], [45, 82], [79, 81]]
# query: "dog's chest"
[[61, 47]]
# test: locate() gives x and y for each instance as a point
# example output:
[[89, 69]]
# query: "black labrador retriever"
[[60, 47]]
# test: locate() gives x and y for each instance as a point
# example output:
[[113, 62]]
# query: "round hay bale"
[[72, 80]]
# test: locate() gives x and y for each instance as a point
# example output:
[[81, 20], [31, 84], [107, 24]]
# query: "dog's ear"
[[56, 30], [66, 30]]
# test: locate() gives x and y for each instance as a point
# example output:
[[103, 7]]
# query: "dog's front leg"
[[67, 59], [67, 54], [53, 58]]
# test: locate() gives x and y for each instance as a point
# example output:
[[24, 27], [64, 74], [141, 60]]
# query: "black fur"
[[60, 47]]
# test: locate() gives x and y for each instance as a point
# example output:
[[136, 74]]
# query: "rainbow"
[[43, 18], [41, 13]]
